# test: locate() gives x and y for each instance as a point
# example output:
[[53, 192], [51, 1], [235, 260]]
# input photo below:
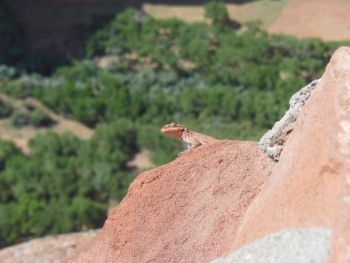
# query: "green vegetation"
[[34, 117], [245, 76], [216, 11], [65, 184], [265, 11], [5, 110], [212, 78]]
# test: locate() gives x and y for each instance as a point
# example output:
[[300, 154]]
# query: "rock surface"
[[309, 186], [217, 198], [186, 211], [272, 141], [50, 249], [308, 245]]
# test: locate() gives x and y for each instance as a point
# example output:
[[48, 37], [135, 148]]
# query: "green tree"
[[216, 11]]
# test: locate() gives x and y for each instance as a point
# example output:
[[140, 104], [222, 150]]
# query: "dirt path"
[[21, 136], [326, 19]]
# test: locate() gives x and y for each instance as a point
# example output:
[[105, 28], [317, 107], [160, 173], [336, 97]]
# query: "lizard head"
[[174, 130]]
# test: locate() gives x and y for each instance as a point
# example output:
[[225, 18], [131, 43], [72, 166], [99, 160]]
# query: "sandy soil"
[[326, 19], [142, 161]]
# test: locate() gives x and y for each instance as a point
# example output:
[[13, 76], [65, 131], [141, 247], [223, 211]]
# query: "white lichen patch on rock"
[[273, 141], [308, 245]]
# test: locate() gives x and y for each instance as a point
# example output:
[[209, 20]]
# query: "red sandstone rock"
[[186, 211], [218, 197], [309, 187]]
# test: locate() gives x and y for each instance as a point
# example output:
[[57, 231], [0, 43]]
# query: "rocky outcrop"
[[229, 202], [309, 186], [186, 211], [49, 249]]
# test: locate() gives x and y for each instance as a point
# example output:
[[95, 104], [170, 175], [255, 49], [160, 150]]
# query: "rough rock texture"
[[306, 245], [309, 186], [50, 249], [273, 140], [219, 197], [186, 211]]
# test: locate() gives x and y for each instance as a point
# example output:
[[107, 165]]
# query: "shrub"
[[7, 150], [5, 110], [21, 118], [40, 119], [65, 184], [7, 73], [164, 149], [216, 11], [30, 117]]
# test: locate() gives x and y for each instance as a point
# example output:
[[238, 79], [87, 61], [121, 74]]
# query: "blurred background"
[[85, 86]]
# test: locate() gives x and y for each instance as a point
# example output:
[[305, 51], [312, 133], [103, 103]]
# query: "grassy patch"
[[264, 10]]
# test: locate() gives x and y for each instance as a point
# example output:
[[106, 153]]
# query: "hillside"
[[227, 197], [59, 31], [226, 92], [22, 135], [138, 73], [325, 19], [264, 10]]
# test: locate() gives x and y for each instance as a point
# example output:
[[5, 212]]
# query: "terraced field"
[[325, 19]]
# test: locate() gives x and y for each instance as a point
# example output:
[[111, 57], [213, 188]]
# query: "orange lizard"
[[190, 139]]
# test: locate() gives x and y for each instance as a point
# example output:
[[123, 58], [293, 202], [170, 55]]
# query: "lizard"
[[190, 139]]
